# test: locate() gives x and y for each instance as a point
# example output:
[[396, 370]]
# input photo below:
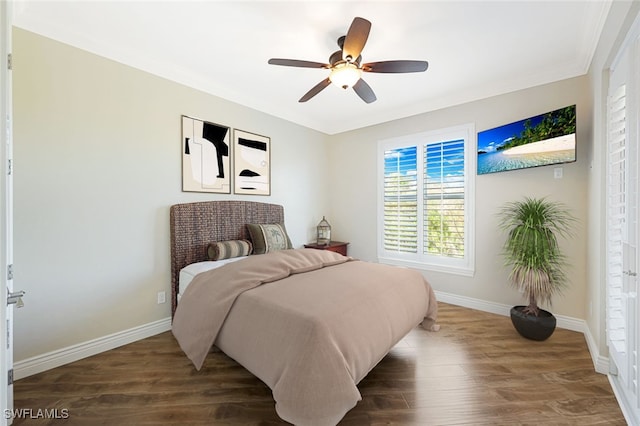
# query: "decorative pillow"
[[268, 237], [229, 249]]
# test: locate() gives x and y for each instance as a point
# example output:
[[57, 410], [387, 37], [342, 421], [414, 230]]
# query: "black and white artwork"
[[205, 156], [252, 163]]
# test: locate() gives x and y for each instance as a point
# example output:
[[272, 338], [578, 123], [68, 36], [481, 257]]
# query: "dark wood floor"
[[475, 371]]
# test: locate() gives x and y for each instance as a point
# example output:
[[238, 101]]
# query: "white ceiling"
[[475, 49]]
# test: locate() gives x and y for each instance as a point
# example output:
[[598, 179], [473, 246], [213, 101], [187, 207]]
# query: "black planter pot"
[[533, 327]]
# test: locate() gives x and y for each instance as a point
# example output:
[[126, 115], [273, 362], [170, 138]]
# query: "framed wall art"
[[541, 140], [206, 166], [252, 163]]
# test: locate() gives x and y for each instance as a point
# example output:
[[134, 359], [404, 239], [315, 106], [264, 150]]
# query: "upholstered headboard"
[[194, 225]]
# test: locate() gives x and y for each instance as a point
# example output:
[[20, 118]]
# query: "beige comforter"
[[309, 323]]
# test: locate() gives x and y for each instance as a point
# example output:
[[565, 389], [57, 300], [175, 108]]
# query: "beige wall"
[[97, 165], [353, 189]]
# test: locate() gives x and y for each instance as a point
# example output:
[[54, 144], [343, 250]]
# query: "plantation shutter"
[[617, 214], [425, 200], [444, 192], [401, 200]]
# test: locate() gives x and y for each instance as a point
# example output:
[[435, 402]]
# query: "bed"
[[309, 323]]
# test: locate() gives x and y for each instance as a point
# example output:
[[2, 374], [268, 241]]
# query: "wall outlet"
[[162, 297]]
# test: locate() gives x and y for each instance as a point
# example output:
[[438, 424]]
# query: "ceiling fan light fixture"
[[345, 75]]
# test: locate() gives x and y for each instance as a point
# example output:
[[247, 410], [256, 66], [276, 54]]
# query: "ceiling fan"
[[346, 64]]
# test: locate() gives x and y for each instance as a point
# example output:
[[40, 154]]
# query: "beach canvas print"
[[542, 140]]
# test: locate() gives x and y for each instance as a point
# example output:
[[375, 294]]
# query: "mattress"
[[190, 271]]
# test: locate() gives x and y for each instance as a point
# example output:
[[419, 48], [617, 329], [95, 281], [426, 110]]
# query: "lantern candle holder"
[[324, 233]]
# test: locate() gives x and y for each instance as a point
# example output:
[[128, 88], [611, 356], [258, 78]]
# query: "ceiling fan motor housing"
[[336, 58]]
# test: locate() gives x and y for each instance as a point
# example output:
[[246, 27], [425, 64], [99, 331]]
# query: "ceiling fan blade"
[[297, 63], [356, 38], [396, 66], [364, 91], [315, 90]]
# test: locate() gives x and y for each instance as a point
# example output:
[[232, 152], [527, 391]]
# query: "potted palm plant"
[[537, 265]]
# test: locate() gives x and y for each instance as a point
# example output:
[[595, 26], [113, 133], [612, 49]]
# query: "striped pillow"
[[228, 249]]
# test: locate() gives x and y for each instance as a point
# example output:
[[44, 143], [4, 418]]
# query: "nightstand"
[[337, 246]]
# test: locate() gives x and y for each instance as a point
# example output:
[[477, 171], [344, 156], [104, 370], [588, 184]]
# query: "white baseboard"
[[44, 362], [468, 302], [600, 363]]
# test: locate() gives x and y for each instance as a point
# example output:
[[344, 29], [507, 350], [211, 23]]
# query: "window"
[[425, 209]]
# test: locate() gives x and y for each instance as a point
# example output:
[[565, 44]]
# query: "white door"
[[623, 304], [6, 200]]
